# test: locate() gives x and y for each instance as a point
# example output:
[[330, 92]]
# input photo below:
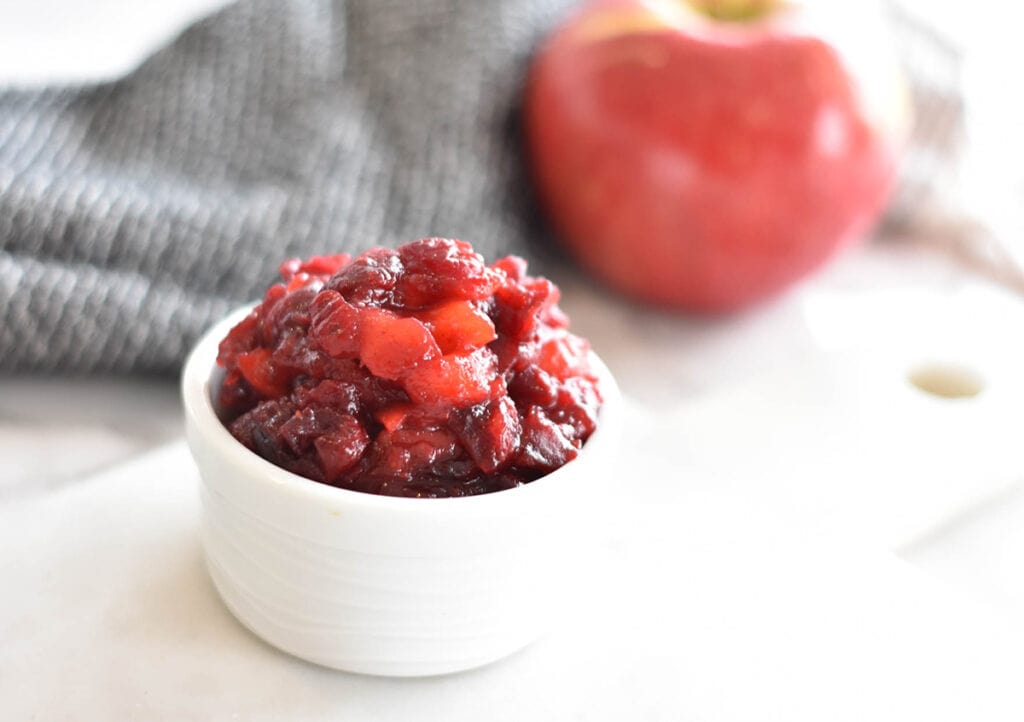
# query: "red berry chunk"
[[415, 372], [490, 432], [405, 455], [439, 269], [341, 448], [533, 386], [564, 357], [314, 266], [370, 279], [545, 444], [335, 325]]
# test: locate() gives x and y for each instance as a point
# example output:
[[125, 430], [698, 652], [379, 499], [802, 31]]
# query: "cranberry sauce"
[[417, 372]]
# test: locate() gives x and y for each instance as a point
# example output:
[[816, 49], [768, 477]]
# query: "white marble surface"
[[802, 465], [704, 605]]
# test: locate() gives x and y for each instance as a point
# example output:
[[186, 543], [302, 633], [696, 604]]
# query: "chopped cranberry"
[[564, 357], [577, 405], [259, 429], [523, 307], [335, 325], [415, 372], [370, 279], [290, 312], [296, 357], [545, 444], [534, 386], [340, 449], [314, 266], [407, 455], [338, 395], [489, 431], [241, 338], [513, 267], [439, 269]]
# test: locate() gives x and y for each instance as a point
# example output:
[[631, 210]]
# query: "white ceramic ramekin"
[[385, 585]]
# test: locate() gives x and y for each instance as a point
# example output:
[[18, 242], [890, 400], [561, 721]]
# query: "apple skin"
[[700, 164]]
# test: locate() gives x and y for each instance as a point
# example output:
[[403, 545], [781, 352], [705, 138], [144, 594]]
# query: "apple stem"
[[734, 10]]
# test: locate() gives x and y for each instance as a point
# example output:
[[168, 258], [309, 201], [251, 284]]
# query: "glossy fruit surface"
[[707, 164], [419, 371]]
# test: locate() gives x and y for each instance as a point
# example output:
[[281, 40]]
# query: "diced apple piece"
[[393, 416], [392, 346], [454, 379], [259, 370], [458, 326]]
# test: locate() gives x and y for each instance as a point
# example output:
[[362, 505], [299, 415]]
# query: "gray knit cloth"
[[134, 213]]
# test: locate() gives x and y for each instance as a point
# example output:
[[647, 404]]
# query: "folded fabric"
[[134, 213]]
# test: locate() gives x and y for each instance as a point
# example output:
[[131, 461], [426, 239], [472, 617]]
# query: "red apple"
[[705, 154]]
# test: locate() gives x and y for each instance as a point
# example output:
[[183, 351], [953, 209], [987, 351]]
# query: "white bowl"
[[386, 585]]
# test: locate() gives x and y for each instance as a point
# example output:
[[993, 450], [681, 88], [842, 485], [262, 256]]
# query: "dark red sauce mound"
[[416, 372]]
